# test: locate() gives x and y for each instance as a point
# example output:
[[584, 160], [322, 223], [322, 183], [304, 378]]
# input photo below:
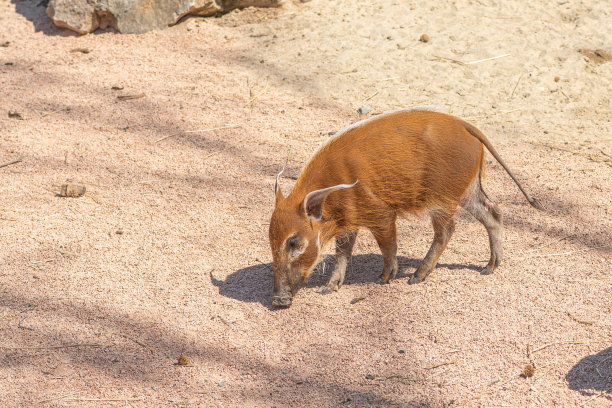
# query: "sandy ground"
[[167, 253]]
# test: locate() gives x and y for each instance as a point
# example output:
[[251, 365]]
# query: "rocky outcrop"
[[138, 16]]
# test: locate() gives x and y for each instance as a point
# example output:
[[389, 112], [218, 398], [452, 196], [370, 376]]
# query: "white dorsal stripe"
[[364, 121]]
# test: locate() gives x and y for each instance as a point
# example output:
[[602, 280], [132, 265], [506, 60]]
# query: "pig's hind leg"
[[444, 226], [484, 210]]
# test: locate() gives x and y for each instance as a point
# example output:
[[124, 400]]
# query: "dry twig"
[[129, 97], [440, 365], [486, 59], [439, 58], [51, 347], [574, 318], [141, 344], [396, 309], [559, 343], [11, 162], [102, 399], [253, 99], [596, 396], [226, 126], [515, 86], [371, 96]]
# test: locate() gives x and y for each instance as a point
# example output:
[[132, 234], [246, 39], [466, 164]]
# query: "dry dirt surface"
[[178, 136]]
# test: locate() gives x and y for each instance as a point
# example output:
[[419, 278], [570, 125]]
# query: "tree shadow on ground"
[[592, 374], [143, 351], [253, 284]]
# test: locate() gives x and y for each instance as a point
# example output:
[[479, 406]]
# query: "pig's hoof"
[[281, 301], [324, 290], [382, 281], [486, 271], [415, 279]]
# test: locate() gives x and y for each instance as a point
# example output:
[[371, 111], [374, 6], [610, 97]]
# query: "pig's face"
[[296, 246], [295, 239]]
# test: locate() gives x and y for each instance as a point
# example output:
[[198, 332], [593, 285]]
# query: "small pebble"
[[221, 383], [365, 109], [72, 190], [119, 232], [402, 351], [424, 38], [528, 371], [557, 79], [183, 360], [369, 377]]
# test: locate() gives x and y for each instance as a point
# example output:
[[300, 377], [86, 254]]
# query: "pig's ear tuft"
[[277, 191], [313, 203]]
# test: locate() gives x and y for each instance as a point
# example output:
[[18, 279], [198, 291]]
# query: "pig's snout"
[[282, 301]]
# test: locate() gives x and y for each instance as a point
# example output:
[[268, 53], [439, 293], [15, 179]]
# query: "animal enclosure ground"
[[178, 136]]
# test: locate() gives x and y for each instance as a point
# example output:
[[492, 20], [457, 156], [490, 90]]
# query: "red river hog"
[[365, 176]]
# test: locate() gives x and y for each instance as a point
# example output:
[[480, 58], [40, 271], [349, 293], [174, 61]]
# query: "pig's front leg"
[[344, 249]]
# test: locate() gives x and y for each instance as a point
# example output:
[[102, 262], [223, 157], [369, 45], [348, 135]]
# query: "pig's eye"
[[293, 242], [295, 246]]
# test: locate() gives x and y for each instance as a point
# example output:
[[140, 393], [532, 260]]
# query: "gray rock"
[[138, 16], [77, 15], [365, 109]]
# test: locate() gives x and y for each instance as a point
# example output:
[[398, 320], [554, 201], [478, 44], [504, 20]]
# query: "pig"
[[415, 161]]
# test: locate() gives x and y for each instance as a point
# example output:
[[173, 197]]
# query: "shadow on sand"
[[253, 284], [592, 374]]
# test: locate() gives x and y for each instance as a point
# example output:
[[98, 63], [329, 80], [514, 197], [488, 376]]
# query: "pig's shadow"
[[254, 283], [592, 374]]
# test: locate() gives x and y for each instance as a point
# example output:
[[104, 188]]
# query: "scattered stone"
[[369, 377], [138, 16], [402, 351], [15, 115], [221, 383], [72, 190], [119, 232], [9, 63], [365, 109], [528, 371], [130, 97], [424, 38], [81, 50], [76, 15], [117, 88], [357, 299], [5, 44], [596, 56], [183, 360], [557, 79]]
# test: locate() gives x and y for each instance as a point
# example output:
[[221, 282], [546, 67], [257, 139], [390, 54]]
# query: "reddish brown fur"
[[405, 162]]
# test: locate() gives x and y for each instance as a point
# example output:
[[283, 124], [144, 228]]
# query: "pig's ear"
[[277, 191], [313, 203]]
